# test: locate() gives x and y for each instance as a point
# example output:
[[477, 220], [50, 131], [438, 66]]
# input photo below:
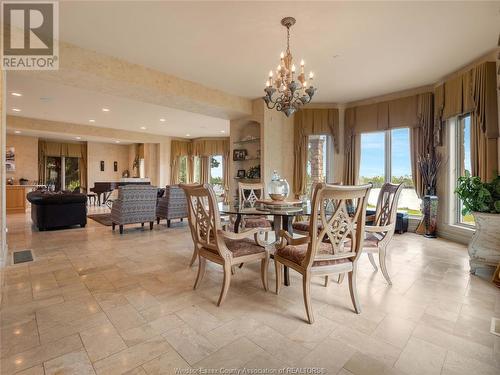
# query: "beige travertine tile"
[[394, 330], [165, 364], [461, 364], [233, 355], [125, 317], [35, 370], [142, 333], [132, 357], [18, 338], [190, 344], [39, 354], [371, 346], [71, 363], [232, 331], [361, 364], [199, 319], [140, 299], [329, 354], [101, 341], [421, 358]]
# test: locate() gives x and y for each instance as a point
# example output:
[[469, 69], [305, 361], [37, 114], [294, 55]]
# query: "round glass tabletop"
[[260, 209]]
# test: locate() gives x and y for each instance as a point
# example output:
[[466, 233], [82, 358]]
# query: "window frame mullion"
[[388, 157]]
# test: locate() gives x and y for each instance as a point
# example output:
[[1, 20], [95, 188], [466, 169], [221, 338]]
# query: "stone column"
[[316, 154]]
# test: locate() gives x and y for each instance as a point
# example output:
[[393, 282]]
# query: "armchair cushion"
[[135, 204], [297, 254], [242, 247]]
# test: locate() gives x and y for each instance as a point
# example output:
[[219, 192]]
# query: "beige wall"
[[3, 221], [26, 149], [109, 153]]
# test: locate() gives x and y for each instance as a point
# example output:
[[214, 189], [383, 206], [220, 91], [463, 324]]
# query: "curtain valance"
[[318, 121], [210, 146], [180, 148], [397, 113], [75, 150]]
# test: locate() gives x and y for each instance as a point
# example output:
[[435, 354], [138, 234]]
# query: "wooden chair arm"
[[255, 232], [379, 228], [287, 239]]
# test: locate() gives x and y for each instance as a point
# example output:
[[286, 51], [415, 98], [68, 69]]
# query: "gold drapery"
[[179, 149], [484, 122], [59, 149], [311, 122], [438, 115], [204, 169], [352, 152], [421, 139]]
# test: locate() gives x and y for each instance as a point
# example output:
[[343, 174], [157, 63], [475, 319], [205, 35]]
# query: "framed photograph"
[[102, 165], [239, 155], [241, 173], [10, 159], [115, 166]]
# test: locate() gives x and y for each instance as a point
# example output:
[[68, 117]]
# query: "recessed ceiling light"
[[188, 135], [105, 110], [92, 120], [162, 120], [143, 127], [16, 109], [222, 131], [117, 141], [78, 137], [16, 94], [17, 131]]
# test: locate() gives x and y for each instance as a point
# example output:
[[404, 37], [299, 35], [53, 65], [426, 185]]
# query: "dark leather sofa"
[[57, 210]]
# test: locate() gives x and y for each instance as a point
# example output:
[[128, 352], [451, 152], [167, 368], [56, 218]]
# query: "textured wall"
[[26, 149], [109, 153]]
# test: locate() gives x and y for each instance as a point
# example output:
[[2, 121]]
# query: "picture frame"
[[241, 173], [115, 166], [239, 155], [102, 165]]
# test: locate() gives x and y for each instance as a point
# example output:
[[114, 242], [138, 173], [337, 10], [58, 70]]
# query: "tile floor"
[[95, 302]]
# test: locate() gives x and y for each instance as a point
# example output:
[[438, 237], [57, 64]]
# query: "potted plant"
[[429, 166], [482, 199]]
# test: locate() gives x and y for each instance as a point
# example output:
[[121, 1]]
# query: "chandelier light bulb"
[[304, 84], [311, 75], [282, 55], [270, 73], [268, 84], [293, 68], [302, 63]]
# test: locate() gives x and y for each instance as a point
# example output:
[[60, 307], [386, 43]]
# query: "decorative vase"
[[430, 215], [484, 246], [278, 188]]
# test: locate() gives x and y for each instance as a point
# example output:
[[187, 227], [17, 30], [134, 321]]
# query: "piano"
[[105, 189]]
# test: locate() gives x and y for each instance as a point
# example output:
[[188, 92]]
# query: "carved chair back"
[[250, 193], [204, 218], [338, 217], [387, 205]]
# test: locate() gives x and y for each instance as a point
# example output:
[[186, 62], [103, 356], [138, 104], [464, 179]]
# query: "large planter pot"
[[484, 247], [430, 215]]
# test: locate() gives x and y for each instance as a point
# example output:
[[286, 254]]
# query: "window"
[[216, 174], [463, 161], [385, 157], [319, 160], [183, 169], [62, 172]]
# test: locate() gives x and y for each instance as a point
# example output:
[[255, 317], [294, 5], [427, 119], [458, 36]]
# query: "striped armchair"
[[172, 205], [135, 204]]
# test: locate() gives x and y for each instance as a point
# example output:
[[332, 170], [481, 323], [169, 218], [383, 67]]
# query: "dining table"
[[282, 217]]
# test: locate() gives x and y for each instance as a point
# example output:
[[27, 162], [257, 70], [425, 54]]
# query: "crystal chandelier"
[[292, 91]]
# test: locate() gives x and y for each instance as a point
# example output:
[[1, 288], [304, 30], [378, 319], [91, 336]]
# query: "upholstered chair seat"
[[257, 222], [241, 248], [297, 254]]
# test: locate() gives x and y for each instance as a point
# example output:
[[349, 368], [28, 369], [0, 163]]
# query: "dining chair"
[[217, 245], [382, 225], [324, 251], [249, 194]]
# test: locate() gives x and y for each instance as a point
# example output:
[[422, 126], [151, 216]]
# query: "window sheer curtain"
[[311, 122], [179, 149]]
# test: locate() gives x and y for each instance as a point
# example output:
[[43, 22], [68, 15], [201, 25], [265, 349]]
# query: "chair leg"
[[372, 261], [121, 229], [225, 284], [202, 262], [158, 220], [353, 290], [233, 270], [383, 267], [168, 223], [142, 224], [306, 289], [263, 271], [193, 258], [326, 281], [113, 225], [340, 280], [278, 268], [151, 225]]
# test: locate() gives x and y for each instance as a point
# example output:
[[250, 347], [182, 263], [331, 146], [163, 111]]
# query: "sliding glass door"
[[62, 172]]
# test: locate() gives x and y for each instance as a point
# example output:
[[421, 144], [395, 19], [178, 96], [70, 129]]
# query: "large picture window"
[[463, 161], [385, 157], [216, 174]]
